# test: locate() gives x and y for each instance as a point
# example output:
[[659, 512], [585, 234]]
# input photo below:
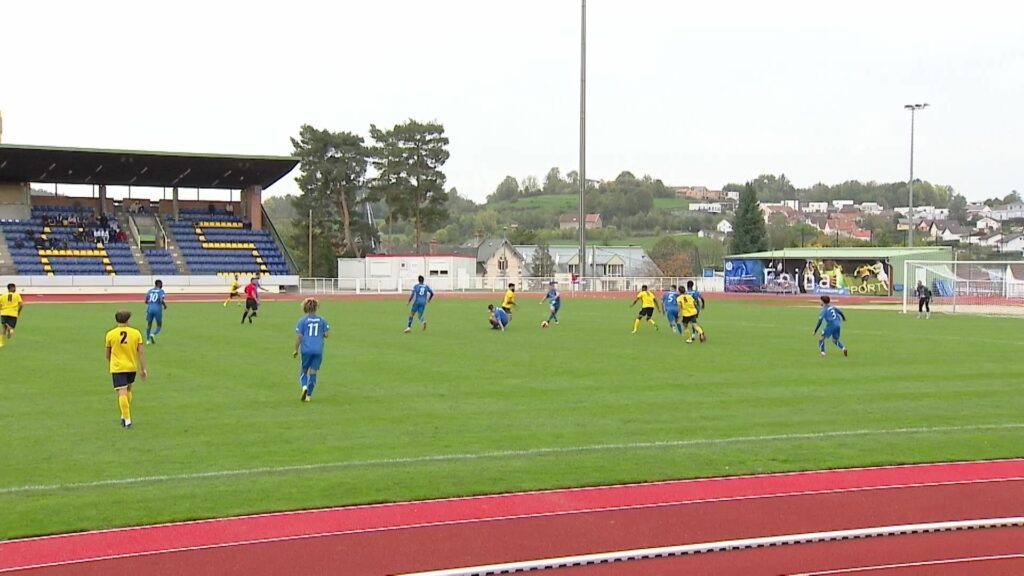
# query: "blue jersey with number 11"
[[313, 330]]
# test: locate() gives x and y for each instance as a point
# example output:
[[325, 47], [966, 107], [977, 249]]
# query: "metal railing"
[[486, 284], [278, 240]]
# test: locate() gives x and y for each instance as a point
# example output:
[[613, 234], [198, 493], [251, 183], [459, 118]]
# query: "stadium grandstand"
[[90, 235]]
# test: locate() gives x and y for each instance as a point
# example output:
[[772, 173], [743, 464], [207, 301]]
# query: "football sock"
[[129, 396], [158, 329], [698, 329], [303, 380], [245, 315], [147, 333], [821, 346], [2, 338], [310, 384], [409, 324], [636, 325], [679, 327], [840, 345], [124, 404]]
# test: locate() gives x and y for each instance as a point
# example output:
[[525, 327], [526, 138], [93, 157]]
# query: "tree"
[[542, 265], [408, 159], [507, 190], [530, 186], [553, 183], [671, 257], [1012, 198], [333, 171], [749, 234], [958, 208], [521, 236]]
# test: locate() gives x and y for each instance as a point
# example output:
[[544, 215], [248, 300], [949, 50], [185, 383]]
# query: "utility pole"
[[910, 231], [583, 140]]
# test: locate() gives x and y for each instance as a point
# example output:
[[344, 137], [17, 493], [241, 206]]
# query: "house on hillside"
[[816, 207], [700, 193], [572, 222], [871, 207], [710, 207], [1012, 243], [986, 223], [724, 226], [1008, 212], [991, 240], [955, 232]]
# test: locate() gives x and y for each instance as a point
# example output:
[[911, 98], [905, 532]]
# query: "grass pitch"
[[460, 409]]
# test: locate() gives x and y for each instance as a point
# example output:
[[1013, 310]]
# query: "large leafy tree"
[[542, 265], [408, 159], [749, 234], [333, 174]]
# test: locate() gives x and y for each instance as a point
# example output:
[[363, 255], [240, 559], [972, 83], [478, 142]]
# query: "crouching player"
[[310, 333], [499, 318], [124, 353]]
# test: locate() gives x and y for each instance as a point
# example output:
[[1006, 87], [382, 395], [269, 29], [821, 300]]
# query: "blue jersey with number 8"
[[312, 330]]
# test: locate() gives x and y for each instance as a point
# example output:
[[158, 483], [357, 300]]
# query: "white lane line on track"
[[527, 452], [963, 560], [483, 521]]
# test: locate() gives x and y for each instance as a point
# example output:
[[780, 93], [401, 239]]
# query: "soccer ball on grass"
[[544, 324]]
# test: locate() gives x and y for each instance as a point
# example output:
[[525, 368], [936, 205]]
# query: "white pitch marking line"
[[964, 560], [498, 454]]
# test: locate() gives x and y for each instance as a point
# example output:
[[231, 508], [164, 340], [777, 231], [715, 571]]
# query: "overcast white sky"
[[689, 92]]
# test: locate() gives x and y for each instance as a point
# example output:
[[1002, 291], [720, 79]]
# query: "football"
[[544, 324]]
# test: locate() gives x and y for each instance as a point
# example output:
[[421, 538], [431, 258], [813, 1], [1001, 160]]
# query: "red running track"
[[387, 539]]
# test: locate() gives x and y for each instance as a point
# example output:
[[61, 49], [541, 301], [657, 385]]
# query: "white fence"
[[130, 284], [490, 284]]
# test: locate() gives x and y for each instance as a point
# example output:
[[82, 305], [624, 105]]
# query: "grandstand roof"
[[60, 165], [840, 253]]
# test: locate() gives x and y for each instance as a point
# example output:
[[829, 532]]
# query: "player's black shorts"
[[234, 295], [122, 379], [251, 304], [689, 320], [508, 310], [646, 313], [11, 321]]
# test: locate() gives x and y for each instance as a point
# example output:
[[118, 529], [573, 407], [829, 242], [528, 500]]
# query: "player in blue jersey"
[[499, 319], [555, 298], [670, 301], [699, 302], [833, 318], [419, 298], [155, 306], [310, 333]]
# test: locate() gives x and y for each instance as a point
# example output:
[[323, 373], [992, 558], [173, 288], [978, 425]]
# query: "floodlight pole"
[[910, 229], [583, 140], [309, 247]]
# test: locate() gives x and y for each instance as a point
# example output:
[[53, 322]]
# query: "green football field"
[[219, 429]]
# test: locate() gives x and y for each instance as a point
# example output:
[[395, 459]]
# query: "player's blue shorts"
[[418, 308], [831, 332], [673, 315], [311, 362], [556, 306], [157, 315]]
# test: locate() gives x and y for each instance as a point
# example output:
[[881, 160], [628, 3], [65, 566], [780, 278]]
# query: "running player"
[[670, 300], [833, 318], [235, 285], [698, 300], [252, 300], [309, 340], [690, 327], [124, 353], [10, 309], [510, 299], [499, 318], [421, 295], [648, 302], [555, 298], [155, 306]]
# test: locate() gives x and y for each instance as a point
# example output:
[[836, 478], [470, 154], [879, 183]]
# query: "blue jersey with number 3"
[[313, 330], [831, 316], [155, 299]]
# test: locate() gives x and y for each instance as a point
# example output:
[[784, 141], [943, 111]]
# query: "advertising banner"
[[744, 276], [835, 277]]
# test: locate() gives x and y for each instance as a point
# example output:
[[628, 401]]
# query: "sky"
[[693, 93]]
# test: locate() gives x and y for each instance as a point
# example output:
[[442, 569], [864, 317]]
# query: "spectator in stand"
[[97, 234], [211, 208], [105, 235], [122, 236], [103, 221]]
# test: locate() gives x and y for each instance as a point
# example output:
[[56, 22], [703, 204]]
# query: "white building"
[[871, 207], [711, 207], [794, 204], [839, 204], [1013, 243], [986, 223], [734, 196], [816, 207], [398, 272], [725, 227], [1008, 212]]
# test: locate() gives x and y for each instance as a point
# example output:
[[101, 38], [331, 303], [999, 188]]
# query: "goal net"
[[967, 287]]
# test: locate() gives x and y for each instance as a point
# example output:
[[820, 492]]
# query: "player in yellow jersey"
[[124, 352], [510, 299], [689, 309], [648, 303], [235, 285], [10, 309]]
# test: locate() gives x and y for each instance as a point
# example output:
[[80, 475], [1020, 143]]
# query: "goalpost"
[[964, 286]]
